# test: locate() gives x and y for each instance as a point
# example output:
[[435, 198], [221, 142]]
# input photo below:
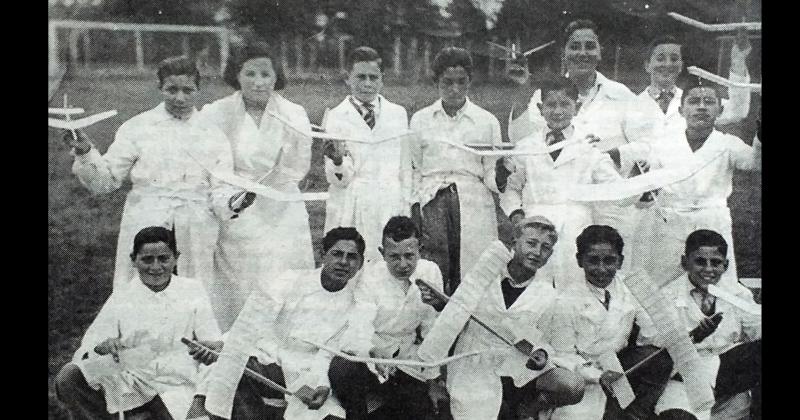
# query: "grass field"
[[83, 228]]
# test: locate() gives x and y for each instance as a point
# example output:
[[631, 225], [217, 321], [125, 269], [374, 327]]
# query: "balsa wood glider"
[[514, 52], [721, 80], [65, 111], [332, 136], [749, 307], [716, 27], [265, 190], [69, 124]]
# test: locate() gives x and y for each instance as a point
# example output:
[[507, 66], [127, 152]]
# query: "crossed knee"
[[68, 380], [562, 386]]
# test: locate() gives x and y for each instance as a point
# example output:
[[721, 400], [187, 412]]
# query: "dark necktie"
[[554, 137], [608, 299], [369, 115], [707, 303], [367, 111], [664, 98]]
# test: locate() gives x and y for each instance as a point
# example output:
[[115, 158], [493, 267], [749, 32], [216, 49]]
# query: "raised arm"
[[737, 106], [104, 174]]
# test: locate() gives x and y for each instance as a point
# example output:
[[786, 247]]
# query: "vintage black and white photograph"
[[404, 210]]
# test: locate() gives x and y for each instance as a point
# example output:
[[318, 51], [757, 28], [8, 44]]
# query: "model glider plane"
[[69, 124], [721, 80], [513, 53], [716, 27]]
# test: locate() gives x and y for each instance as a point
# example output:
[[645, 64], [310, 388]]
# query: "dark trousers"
[[248, 403], [740, 371], [648, 383], [514, 397], [439, 222], [403, 396], [85, 403]]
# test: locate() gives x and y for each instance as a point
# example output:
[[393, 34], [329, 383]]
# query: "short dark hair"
[[705, 237], [697, 82], [660, 40], [364, 54], [253, 49], [400, 228], [559, 84], [343, 234], [451, 57], [153, 234], [177, 66], [576, 25], [599, 234]]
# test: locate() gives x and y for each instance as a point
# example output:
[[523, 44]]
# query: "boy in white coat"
[[131, 359], [453, 188], [730, 348], [504, 291], [700, 201], [655, 109], [274, 332], [540, 184], [404, 313], [590, 328], [369, 183]]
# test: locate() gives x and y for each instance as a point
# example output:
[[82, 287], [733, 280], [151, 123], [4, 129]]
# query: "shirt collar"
[[466, 111], [524, 284], [567, 132], [600, 292], [376, 103], [162, 115], [654, 92], [599, 80]]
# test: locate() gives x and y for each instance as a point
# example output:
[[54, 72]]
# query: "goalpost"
[[78, 28]]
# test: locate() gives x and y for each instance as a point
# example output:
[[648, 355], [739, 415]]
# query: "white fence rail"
[[78, 28]]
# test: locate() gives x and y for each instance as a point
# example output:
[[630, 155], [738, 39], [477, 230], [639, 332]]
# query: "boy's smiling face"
[[558, 108], [704, 266], [600, 263]]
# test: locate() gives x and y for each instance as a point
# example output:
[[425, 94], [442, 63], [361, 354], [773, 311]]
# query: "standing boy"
[[700, 201], [456, 210], [540, 183], [369, 183]]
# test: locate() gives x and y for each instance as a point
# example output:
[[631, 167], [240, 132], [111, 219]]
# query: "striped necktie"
[[367, 111]]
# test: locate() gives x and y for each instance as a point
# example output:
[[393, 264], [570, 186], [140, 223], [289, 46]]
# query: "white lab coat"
[[164, 158], [398, 315], [269, 236], [272, 326], [375, 179], [540, 186], [737, 326], [602, 115], [645, 121], [437, 165], [579, 320], [699, 202], [474, 383], [156, 362]]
